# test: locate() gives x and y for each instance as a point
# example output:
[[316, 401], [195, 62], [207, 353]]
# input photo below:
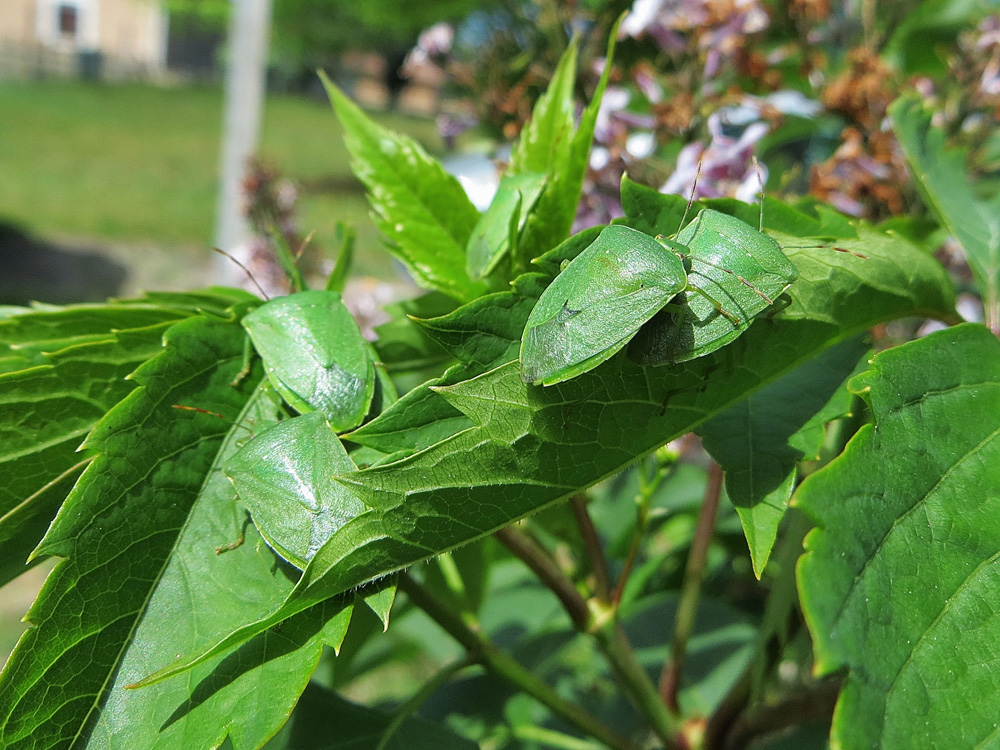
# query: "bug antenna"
[[826, 247], [213, 414], [694, 190], [760, 182], [246, 271]]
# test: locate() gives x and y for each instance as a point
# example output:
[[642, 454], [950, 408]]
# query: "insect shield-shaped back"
[[592, 309], [734, 274], [285, 477], [315, 356]]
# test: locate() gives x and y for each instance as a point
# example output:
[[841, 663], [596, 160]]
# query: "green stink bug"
[[730, 263], [315, 356], [598, 303], [284, 476]]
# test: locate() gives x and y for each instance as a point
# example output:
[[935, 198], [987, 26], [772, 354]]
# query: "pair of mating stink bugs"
[[673, 299]]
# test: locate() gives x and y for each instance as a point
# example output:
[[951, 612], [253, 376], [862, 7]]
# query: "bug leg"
[[240, 534], [779, 304], [716, 304], [247, 363], [746, 283]]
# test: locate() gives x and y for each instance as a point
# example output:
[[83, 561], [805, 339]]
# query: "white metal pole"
[[249, 32]]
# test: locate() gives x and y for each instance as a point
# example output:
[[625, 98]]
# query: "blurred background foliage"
[[131, 169]]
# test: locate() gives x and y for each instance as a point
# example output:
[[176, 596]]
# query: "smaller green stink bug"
[[315, 356], [739, 271], [598, 303], [284, 476]]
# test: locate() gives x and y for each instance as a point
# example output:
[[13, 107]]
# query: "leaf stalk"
[[483, 650], [687, 608], [600, 621], [592, 546]]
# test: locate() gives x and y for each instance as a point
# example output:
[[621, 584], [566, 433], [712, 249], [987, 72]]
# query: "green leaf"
[[83, 357], [499, 227], [653, 212], [324, 721], [487, 331], [531, 446], [422, 210], [940, 174], [139, 534], [545, 139], [315, 355], [216, 593], [897, 579], [551, 262], [346, 236], [285, 478], [402, 346], [551, 145], [755, 441], [416, 421], [60, 328], [482, 334], [213, 300], [381, 599], [919, 43]]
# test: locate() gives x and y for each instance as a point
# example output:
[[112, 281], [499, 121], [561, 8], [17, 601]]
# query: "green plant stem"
[[535, 557], [426, 690], [601, 622], [687, 608], [809, 705], [551, 738], [630, 557], [779, 625], [592, 546], [482, 649], [646, 489], [638, 686]]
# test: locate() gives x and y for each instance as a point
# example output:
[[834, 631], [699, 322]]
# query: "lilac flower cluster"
[[718, 27]]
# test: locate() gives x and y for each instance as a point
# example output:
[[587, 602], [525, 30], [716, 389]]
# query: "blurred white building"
[[92, 38]]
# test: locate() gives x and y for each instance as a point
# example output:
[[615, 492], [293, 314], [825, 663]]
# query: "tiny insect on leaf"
[[315, 356]]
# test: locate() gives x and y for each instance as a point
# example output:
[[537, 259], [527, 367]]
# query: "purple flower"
[[450, 125], [433, 44], [726, 164], [989, 32], [668, 21], [613, 121]]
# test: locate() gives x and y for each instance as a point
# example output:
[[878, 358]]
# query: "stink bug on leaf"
[[598, 303], [729, 262], [315, 356]]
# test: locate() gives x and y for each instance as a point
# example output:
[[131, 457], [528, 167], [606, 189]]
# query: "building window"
[[68, 17]]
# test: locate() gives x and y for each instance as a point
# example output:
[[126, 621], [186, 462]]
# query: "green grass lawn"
[[138, 164]]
